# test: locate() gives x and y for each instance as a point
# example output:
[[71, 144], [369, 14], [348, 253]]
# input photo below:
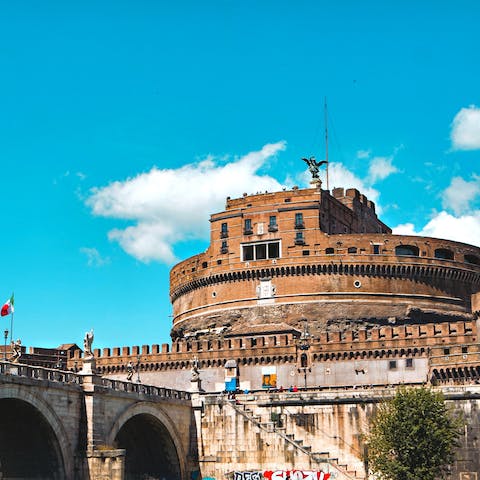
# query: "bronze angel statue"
[[313, 165]]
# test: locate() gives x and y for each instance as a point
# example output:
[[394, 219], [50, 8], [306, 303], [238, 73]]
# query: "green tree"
[[413, 436]]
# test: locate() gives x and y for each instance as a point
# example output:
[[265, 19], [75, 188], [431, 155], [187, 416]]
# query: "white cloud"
[[170, 205], [460, 194], [465, 132], [405, 229], [380, 168], [340, 176], [465, 228], [362, 154], [94, 259]]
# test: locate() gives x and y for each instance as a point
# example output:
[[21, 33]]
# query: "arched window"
[[408, 250], [444, 254], [472, 259], [303, 360]]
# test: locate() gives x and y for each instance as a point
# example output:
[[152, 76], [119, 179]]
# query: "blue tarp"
[[231, 385]]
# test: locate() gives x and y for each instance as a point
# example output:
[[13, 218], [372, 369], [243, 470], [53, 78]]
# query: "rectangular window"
[[273, 250], [224, 248], [299, 240], [260, 251], [224, 231], [392, 365], [409, 363], [247, 226], [247, 253], [376, 249], [273, 221], [299, 220]]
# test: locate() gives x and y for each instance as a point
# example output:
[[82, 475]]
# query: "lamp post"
[[5, 333], [138, 368], [304, 346]]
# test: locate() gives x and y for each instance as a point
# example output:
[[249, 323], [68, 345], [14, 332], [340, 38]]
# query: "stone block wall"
[[314, 430]]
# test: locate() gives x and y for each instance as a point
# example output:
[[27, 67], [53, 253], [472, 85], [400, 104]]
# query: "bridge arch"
[[151, 440], [47, 447]]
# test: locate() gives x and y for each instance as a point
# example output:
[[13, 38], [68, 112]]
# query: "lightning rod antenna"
[[326, 140]]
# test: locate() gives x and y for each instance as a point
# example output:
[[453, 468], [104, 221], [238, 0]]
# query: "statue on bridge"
[[16, 350], [129, 371], [87, 344]]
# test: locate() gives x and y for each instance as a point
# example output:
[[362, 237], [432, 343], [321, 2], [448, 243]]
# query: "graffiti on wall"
[[282, 475], [248, 476]]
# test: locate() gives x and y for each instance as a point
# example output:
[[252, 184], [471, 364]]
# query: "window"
[[299, 220], [273, 250], [224, 248], [444, 254], [247, 253], [376, 249], [272, 224], [472, 259], [224, 231], [260, 251], [409, 363], [464, 349], [247, 228], [352, 249], [329, 251], [392, 365], [306, 252], [408, 250], [299, 240], [446, 351], [303, 360]]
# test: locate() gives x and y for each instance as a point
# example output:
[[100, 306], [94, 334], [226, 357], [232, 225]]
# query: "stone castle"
[[307, 288], [302, 314]]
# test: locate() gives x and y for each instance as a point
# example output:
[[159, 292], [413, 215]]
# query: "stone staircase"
[[317, 458]]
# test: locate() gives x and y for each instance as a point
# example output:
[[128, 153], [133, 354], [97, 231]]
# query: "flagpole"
[[12, 305]]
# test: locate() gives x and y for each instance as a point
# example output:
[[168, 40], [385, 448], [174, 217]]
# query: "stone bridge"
[[59, 425]]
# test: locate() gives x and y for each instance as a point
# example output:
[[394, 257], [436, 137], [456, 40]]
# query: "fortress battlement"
[[383, 341]]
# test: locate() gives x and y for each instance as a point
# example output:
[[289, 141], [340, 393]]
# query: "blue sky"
[[111, 109]]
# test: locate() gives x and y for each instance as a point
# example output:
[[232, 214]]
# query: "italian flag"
[[7, 308]]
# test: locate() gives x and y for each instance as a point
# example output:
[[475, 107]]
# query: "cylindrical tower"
[[307, 254]]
